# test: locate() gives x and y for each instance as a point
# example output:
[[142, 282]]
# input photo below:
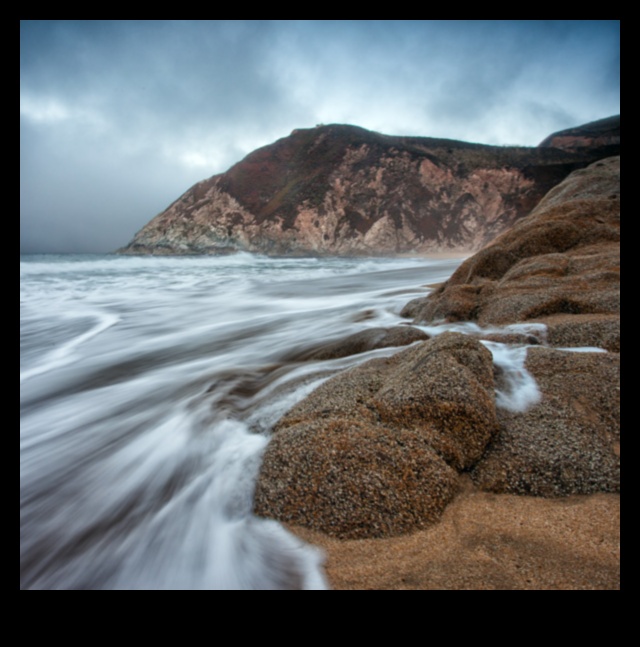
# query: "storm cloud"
[[118, 118]]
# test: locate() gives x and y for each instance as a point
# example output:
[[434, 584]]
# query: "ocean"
[[148, 389]]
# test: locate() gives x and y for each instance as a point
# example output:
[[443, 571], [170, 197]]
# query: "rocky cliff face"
[[343, 190], [560, 266]]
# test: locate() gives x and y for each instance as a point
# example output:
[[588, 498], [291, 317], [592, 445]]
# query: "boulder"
[[351, 479], [569, 443], [375, 451], [443, 389]]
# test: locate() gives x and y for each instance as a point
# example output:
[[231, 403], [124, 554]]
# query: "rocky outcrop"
[[343, 190], [569, 443], [375, 451], [560, 266], [382, 448]]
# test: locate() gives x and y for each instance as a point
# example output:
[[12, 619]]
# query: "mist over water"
[[148, 389]]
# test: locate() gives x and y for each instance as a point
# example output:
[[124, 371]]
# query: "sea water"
[[148, 388]]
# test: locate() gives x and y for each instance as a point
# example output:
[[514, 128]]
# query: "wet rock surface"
[[568, 443], [361, 342], [353, 479], [376, 450]]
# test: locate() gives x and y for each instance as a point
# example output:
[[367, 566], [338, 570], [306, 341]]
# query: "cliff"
[[343, 190], [560, 266]]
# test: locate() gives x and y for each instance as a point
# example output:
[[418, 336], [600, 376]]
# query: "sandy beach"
[[488, 541]]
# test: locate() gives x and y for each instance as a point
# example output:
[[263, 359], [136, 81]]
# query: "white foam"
[[463, 327], [583, 349], [521, 390]]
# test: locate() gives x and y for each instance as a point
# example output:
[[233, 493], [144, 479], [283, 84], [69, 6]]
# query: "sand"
[[489, 541]]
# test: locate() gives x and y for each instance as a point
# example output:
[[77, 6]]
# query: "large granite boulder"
[[568, 443], [352, 479], [376, 450], [443, 389]]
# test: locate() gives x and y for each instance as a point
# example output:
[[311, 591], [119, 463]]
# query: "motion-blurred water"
[[148, 388]]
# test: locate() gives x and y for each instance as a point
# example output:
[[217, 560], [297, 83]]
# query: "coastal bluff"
[[347, 191], [411, 473]]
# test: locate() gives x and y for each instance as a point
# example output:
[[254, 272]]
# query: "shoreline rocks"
[[376, 449], [569, 443], [430, 410], [562, 260]]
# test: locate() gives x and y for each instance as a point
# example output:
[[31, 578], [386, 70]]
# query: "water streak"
[[148, 388]]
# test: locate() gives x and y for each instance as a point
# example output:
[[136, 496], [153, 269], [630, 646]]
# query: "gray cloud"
[[118, 118]]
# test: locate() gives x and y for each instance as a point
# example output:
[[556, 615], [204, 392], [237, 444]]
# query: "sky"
[[119, 118]]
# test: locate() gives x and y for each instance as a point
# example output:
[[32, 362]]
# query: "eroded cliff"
[[343, 190]]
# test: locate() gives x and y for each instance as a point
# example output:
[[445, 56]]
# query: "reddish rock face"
[[343, 190]]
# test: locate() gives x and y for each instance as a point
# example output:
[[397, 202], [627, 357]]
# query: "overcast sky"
[[119, 118]]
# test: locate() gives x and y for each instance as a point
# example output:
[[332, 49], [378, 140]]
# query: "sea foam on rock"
[[569, 442]]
